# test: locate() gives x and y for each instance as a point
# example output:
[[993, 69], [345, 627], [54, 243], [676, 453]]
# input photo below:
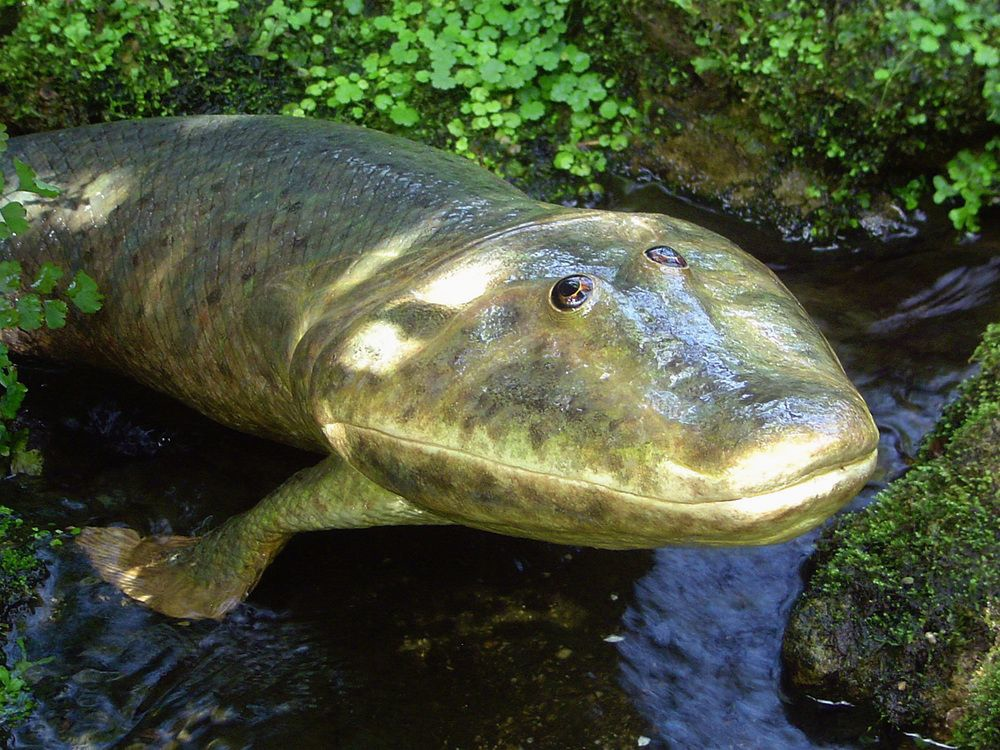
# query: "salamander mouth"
[[645, 521]]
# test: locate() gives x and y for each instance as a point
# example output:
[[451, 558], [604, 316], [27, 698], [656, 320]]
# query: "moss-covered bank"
[[902, 610], [815, 116], [20, 568], [840, 112], [21, 571]]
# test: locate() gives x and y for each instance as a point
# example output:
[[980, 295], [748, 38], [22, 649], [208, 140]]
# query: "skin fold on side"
[[460, 352]]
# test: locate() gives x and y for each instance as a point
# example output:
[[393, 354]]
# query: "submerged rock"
[[902, 610]]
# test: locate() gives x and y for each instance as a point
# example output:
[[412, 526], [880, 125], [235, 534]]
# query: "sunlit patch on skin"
[[370, 263], [682, 474], [777, 462], [193, 125], [336, 433], [460, 286], [94, 199], [378, 348], [98, 198], [378, 257]]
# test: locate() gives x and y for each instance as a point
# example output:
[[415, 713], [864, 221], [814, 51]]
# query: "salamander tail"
[[169, 574]]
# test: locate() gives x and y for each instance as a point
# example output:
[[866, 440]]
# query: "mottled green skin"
[[354, 293], [209, 236]]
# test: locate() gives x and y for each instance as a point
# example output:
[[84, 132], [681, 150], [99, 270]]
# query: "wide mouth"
[[770, 516]]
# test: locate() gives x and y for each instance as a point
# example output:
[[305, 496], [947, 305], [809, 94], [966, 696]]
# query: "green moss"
[[16, 701], [902, 590], [980, 726], [21, 572], [20, 569], [856, 90], [977, 396]]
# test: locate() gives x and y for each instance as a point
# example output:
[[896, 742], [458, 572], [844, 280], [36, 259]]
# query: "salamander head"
[[605, 379]]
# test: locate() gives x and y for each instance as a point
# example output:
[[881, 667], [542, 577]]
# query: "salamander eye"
[[665, 255], [571, 292]]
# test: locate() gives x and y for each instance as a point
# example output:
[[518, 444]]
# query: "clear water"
[[452, 638]]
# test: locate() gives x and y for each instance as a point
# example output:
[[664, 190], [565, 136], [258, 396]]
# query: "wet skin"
[[463, 353]]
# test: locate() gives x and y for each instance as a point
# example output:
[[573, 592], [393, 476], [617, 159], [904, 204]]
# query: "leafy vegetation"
[[16, 702], [483, 77], [499, 66], [974, 177], [905, 588], [30, 305], [861, 93], [857, 89], [119, 56], [21, 570]]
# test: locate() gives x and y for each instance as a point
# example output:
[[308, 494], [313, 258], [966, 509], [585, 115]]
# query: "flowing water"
[[448, 637]]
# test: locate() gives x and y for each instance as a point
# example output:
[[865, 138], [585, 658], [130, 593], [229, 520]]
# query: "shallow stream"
[[448, 637]]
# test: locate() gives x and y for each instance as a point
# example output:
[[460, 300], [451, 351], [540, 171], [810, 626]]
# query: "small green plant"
[[862, 90], [511, 83], [974, 178], [28, 305], [80, 42], [504, 67], [16, 702], [21, 570], [20, 567]]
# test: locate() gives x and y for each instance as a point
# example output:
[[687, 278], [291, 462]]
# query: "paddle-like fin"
[[166, 574], [206, 576]]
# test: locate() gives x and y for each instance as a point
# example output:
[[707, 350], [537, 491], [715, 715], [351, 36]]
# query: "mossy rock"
[[813, 95], [902, 610], [980, 724]]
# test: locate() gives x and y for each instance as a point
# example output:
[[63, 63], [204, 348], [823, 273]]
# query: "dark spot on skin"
[[486, 408], [418, 320], [239, 230], [484, 492], [214, 296], [537, 435], [594, 512], [249, 272]]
